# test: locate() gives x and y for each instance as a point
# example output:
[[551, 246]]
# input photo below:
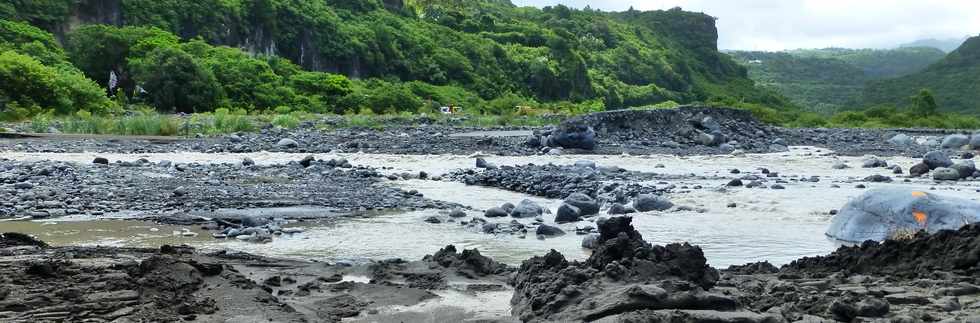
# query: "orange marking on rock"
[[919, 217], [918, 194]]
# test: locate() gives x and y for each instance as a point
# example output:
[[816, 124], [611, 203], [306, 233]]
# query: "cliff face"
[[489, 47]]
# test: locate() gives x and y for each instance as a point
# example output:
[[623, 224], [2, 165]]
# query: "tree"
[[924, 104], [176, 82], [27, 82]]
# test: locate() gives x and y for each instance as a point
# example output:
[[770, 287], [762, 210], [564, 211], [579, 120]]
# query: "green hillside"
[[831, 79], [386, 56], [954, 81]]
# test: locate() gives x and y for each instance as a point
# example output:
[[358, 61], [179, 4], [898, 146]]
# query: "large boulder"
[[918, 169], [955, 141], [901, 140], [573, 136], [527, 209], [585, 203], [568, 213], [646, 202], [548, 230], [883, 213], [624, 274], [965, 168], [935, 159], [945, 174], [975, 140]]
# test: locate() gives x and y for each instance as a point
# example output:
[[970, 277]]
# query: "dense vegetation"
[[955, 82], [367, 55], [231, 61], [832, 79], [946, 45]]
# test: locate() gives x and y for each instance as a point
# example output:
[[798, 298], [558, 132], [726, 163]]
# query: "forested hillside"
[[954, 81], [832, 79], [352, 55]]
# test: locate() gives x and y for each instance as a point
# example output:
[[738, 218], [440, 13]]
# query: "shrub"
[[26, 81]]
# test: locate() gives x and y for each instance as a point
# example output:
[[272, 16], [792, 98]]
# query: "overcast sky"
[[790, 24]]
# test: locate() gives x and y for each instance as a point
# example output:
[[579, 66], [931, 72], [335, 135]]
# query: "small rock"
[[101, 160], [919, 170], [549, 231], [457, 213], [646, 202], [287, 143]]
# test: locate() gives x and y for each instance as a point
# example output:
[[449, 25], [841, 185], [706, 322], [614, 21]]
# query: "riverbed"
[[733, 225]]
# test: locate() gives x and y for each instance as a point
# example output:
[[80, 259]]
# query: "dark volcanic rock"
[[527, 209], [568, 213], [548, 230], [573, 135], [645, 203], [624, 274], [495, 212], [936, 159], [945, 250], [554, 181], [586, 204], [470, 262], [919, 169]]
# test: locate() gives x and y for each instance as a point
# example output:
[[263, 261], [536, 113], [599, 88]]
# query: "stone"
[[590, 240], [734, 183], [287, 143], [873, 162], [101, 160], [307, 161], [457, 213], [975, 140], [586, 204], [482, 163], [646, 202], [433, 220], [873, 307], [919, 170], [945, 174], [907, 298], [495, 212], [965, 168], [568, 213], [901, 140], [570, 135], [527, 209], [935, 159], [548, 230], [23, 185], [955, 141], [877, 178], [840, 165]]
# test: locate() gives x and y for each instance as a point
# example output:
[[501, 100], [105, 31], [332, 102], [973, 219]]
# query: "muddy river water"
[[765, 224]]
